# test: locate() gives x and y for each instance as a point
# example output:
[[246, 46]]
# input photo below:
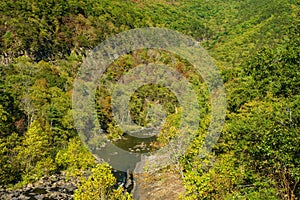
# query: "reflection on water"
[[125, 153], [135, 144]]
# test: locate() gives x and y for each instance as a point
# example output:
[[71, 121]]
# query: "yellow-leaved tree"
[[99, 186]]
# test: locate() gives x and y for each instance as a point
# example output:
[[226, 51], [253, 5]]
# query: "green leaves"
[[276, 70], [34, 153], [9, 170], [75, 158], [258, 153], [266, 134], [217, 181], [98, 186]]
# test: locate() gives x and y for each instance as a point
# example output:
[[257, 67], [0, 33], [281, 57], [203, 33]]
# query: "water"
[[131, 144], [135, 144]]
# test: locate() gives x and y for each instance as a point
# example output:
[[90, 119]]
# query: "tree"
[[9, 167], [75, 158], [35, 151], [265, 135], [98, 186]]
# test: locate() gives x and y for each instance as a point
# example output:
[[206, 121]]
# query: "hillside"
[[255, 45]]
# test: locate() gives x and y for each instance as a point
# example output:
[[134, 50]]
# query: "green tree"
[[35, 152], [98, 186], [265, 134], [9, 167], [75, 158]]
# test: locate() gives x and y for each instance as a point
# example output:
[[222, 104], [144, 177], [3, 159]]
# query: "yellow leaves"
[[98, 186], [115, 132], [74, 158], [33, 154], [170, 128], [3, 114], [216, 182]]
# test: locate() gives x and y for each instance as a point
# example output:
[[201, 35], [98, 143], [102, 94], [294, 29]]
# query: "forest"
[[255, 45]]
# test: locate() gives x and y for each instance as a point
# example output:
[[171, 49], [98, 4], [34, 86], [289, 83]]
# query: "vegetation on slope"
[[254, 43]]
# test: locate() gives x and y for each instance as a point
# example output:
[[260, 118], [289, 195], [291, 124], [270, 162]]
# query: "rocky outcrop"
[[52, 187], [156, 177], [163, 184]]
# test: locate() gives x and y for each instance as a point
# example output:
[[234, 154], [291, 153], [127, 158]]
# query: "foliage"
[[266, 134], [99, 185], [256, 46], [34, 154], [75, 158], [9, 171]]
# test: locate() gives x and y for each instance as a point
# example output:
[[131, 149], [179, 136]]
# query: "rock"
[[22, 196], [155, 183], [39, 197], [52, 187]]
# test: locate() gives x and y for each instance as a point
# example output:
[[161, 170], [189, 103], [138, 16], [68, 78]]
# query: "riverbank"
[[162, 184], [53, 187]]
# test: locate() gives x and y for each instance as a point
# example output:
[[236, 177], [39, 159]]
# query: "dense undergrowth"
[[255, 45]]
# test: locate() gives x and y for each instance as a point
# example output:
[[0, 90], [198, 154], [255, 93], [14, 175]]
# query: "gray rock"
[[53, 187], [22, 196]]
